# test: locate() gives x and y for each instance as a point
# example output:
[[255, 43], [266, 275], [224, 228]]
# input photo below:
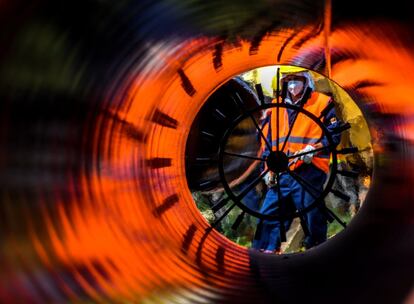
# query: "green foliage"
[[242, 236], [201, 201], [334, 227], [245, 233]]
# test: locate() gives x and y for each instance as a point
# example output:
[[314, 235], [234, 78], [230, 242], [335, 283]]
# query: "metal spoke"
[[282, 230], [224, 215], [244, 156], [304, 183], [343, 224], [269, 146], [277, 116], [238, 221], [223, 202], [341, 195], [327, 215], [254, 122], [307, 185], [347, 173], [342, 128], [260, 94], [290, 130], [325, 111], [304, 153], [252, 185], [220, 204], [304, 225], [259, 228], [263, 126]]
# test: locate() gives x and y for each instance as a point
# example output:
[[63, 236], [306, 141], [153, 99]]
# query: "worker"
[[313, 167]]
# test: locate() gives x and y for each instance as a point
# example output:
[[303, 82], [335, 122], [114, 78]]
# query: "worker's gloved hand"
[[270, 179], [307, 158]]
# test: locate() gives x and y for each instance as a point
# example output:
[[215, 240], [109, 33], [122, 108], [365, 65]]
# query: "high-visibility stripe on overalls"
[[305, 131]]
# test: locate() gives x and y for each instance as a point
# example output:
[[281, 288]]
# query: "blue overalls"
[[268, 234]]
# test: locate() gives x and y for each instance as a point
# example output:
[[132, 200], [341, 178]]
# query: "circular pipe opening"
[[226, 166]]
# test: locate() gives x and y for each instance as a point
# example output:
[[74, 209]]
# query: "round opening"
[[279, 159]]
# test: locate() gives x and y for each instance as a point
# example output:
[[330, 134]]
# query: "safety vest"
[[305, 131]]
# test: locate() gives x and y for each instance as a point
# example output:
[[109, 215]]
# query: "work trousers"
[[268, 234]]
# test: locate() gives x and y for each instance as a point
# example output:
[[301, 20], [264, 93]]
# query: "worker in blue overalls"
[[297, 89]]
